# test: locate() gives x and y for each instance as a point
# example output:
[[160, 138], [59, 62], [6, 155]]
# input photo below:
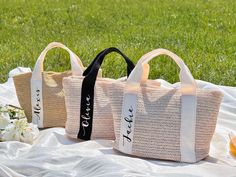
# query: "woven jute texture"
[[102, 115], [53, 97], [158, 121]]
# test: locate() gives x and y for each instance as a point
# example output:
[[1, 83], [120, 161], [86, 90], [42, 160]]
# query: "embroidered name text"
[[86, 117], [129, 120], [37, 107]]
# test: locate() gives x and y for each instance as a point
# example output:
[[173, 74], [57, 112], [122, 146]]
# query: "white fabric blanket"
[[53, 154]]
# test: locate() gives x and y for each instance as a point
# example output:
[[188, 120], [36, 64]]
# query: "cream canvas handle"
[[188, 106], [76, 64], [36, 80], [188, 84]]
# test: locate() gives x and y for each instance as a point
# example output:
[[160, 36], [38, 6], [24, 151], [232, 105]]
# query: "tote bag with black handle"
[[89, 114]]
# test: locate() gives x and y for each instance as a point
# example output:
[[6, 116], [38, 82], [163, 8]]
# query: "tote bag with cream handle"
[[40, 93], [162, 123], [89, 114]]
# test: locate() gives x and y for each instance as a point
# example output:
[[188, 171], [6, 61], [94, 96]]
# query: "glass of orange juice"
[[232, 144]]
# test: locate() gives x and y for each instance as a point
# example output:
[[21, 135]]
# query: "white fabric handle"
[[188, 84], [76, 64], [36, 80], [188, 106]]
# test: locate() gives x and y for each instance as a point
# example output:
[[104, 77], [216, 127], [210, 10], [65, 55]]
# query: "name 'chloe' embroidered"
[[86, 117], [129, 120], [37, 107]]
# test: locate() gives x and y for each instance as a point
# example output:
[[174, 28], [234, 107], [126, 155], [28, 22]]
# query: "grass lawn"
[[202, 33]]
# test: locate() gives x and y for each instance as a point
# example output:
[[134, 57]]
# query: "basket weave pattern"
[[53, 97], [158, 121], [102, 114]]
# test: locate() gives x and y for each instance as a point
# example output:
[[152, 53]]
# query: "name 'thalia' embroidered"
[[129, 120], [86, 116], [37, 107]]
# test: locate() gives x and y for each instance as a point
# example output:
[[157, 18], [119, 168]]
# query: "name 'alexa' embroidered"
[[37, 103], [37, 107]]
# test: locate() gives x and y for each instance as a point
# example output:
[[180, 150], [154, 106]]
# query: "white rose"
[[10, 133], [29, 134], [20, 130], [4, 120]]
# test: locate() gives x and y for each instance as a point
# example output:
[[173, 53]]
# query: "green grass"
[[202, 33]]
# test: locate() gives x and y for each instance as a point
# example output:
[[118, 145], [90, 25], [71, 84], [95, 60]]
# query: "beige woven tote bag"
[[44, 90], [172, 124], [88, 106]]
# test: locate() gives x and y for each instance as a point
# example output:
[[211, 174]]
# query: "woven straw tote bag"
[[40, 93], [88, 106], [172, 124]]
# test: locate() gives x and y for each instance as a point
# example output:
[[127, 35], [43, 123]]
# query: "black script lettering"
[[85, 123], [86, 117], [129, 121], [127, 138], [37, 107]]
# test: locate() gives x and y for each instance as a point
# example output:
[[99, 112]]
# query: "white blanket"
[[53, 154]]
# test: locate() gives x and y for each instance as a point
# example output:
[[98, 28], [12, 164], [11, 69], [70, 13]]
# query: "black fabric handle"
[[88, 69], [100, 57], [87, 91]]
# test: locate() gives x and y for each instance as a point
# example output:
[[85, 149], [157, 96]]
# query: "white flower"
[[4, 120], [14, 125], [10, 133], [30, 133], [20, 130], [3, 109]]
